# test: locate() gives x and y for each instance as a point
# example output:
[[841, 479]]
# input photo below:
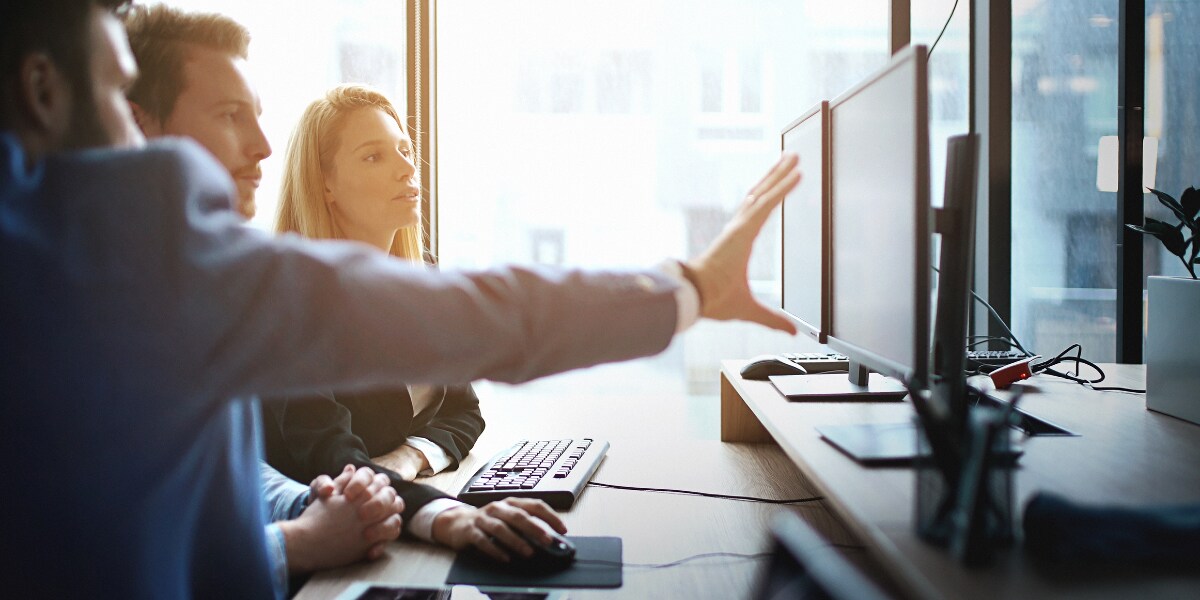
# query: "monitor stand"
[[860, 386]]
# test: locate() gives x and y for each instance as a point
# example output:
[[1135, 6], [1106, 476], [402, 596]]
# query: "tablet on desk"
[[368, 590], [874, 444], [888, 444], [837, 388]]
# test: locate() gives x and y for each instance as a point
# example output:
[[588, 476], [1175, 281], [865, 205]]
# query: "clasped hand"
[[350, 517]]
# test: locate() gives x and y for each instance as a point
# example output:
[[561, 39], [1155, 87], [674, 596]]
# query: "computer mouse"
[[761, 367], [556, 556]]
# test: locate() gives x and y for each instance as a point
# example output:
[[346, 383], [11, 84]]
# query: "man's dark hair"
[[60, 29]]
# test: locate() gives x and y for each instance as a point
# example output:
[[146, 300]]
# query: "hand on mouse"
[[491, 529]]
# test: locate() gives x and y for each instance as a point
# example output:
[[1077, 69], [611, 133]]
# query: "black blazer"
[[311, 436]]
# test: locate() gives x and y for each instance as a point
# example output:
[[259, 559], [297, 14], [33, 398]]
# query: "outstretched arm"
[[336, 315]]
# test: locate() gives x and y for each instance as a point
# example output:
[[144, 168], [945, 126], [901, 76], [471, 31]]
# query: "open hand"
[[721, 271]]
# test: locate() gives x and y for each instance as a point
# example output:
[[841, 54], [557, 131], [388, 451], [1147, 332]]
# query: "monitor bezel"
[[915, 374], [817, 331]]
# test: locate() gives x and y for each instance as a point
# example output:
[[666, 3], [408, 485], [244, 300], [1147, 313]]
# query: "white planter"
[[1173, 347]]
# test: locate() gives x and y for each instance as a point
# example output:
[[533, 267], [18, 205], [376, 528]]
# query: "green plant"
[[1187, 209]]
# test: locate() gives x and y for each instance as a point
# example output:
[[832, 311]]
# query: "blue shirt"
[[134, 306], [285, 499]]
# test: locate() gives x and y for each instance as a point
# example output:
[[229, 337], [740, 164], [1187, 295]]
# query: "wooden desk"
[[655, 528], [1124, 455]]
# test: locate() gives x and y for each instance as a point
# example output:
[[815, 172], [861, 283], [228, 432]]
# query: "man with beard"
[[193, 82]]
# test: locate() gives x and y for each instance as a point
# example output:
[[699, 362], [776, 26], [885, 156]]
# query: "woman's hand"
[[492, 528], [407, 461]]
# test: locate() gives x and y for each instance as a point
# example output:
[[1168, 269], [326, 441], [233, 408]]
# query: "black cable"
[[1045, 367], [1078, 359], [995, 315], [939, 37], [675, 563], [706, 494], [983, 339], [1113, 388]]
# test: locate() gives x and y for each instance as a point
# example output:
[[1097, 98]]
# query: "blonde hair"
[[302, 206]]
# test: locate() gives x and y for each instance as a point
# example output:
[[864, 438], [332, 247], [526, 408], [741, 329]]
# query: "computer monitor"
[[805, 216], [956, 226], [880, 207]]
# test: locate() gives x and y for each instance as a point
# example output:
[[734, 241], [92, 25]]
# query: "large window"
[[301, 48], [1172, 109], [1065, 228], [614, 134]]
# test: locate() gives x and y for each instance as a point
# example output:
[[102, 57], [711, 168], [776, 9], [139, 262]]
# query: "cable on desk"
[[707, 494], [675, 563], [1045, 367], [1113, 388]]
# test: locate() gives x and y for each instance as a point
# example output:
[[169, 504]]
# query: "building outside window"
[[1065, 229]]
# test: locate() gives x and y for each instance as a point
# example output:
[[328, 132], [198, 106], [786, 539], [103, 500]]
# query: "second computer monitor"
[[879, 184], [805, 215]]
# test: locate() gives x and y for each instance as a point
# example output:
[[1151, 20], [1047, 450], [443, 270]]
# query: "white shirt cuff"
[[687, 299], [437, 457], [421, 524]]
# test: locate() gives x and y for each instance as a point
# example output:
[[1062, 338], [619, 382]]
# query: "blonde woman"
[[350, 175]]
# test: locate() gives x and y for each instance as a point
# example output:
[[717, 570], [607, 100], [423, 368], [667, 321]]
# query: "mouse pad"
[[469, 568]]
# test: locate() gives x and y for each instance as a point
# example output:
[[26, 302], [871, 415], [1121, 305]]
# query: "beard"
[[86, 130], [246, 206]]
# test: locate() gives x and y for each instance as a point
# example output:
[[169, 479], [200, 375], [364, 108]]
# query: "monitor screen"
[[879, 185], [805, 223]]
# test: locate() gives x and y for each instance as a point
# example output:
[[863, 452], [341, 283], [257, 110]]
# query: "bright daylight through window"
[[613, 134]]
